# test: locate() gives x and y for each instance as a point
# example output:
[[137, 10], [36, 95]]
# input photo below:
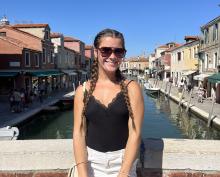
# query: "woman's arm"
[[134, 139], [79, 144]]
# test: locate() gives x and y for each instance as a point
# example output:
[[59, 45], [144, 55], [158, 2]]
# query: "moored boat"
[[9, 133], [150, 89]]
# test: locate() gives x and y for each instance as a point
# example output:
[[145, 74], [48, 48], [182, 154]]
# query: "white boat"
[[9, 133], [151, 89]]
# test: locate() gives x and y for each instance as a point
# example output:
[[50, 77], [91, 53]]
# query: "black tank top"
[[107, 127]]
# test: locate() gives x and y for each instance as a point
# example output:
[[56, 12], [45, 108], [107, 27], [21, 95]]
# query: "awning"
[[8, 74], [44, 73], [200, 77], [215, 78], [83, 72], [189, 72], [69, 72]]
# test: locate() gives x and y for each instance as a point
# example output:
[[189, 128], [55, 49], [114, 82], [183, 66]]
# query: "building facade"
[[209, 55]]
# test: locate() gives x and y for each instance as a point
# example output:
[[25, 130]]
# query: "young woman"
[[108, 114]]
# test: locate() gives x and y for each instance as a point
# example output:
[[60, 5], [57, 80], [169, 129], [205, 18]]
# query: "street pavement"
[[8, 118]]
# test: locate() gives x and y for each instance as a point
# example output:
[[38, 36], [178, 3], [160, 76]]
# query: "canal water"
[[163, 119]]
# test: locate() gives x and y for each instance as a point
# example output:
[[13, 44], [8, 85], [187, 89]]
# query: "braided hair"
[[94, 74]]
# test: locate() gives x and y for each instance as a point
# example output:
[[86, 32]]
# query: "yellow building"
[[184, 60]]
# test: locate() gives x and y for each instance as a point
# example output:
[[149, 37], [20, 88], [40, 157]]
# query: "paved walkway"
[[206, 106], [8, 118]]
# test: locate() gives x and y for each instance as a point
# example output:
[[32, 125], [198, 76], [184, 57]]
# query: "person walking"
[[11, 100], [108, 114], [17, 100]]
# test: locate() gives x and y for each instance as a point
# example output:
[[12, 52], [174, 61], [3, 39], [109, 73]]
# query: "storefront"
[[201, 79], [214, 81], [8, 80], [70, 78], [50, 80]]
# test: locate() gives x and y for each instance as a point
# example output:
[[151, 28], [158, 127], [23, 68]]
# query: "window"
[[3, 34], [52, 56], [206, 34], [207, 61], [215, 32], [60, 60], [48, 57], [178, 56], [46, 34], [66, 58], [27, 59], [194, 52], [215, 60], [36, 58], [74, 60], [44, 56]]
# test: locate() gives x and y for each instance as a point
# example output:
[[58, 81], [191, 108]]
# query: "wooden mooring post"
[[181, 98], [156, 83], [170, 89], [190, 98], [165, 91], [161, 86], [211, 117]]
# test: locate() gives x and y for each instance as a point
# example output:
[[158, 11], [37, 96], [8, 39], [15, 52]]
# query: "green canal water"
[[163, 119]]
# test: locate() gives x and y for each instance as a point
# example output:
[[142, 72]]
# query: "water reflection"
[[191, 126], [163, 119], [55, 125]]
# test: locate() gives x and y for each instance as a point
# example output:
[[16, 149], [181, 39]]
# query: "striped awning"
[[8, 74], [44, 73], [215, 78]]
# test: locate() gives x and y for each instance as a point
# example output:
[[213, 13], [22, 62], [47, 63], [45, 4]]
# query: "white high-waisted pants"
[[107, 164]]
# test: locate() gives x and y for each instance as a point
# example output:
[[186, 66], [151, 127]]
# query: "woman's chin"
[[111, 68]]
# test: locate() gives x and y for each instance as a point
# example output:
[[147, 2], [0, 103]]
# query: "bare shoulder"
[[133, 87], [134, 92], [79, 90]]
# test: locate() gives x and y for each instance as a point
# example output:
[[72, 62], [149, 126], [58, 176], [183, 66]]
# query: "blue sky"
[[145, 24]]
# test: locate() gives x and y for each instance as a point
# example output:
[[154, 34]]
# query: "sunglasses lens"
[[107, 51], [119, 52]]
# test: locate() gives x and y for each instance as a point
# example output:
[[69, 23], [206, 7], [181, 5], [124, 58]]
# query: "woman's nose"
[[113, 56]]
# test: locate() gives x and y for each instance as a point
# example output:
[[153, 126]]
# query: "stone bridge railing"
[[162, 158]]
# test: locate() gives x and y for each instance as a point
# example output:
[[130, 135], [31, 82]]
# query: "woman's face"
[[110, 53]]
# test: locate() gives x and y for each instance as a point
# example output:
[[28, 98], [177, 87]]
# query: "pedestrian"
[[213, 93], [200, 94], [11, 101], [175, 81], [22, 95], [108, 114], [17, 100], [185, 84], [189, 87]]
